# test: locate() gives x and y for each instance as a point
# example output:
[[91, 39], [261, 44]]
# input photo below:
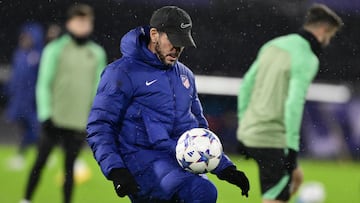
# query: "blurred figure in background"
[[69, 72], [53, 32], [21, 107], [271, 102]]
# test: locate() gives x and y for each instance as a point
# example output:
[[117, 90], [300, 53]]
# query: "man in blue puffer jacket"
[[144, 102]]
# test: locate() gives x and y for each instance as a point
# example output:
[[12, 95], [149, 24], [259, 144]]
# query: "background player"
[[272, 97], [21, 107], [69, 73]]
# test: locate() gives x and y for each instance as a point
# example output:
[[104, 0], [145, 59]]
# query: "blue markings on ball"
[[204, 158], [185, 164]]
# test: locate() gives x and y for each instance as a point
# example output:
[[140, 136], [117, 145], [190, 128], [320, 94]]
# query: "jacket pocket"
[[155, 130], [147, 130]]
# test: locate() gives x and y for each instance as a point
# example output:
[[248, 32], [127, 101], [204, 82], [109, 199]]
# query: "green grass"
[[341, 180]]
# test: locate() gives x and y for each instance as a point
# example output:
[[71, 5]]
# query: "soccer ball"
[[199, 150], [311, 192]]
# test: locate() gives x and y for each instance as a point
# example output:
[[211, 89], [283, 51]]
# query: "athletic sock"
[[25, 201]]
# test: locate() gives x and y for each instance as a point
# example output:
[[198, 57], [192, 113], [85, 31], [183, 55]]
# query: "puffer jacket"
[[141, 108]]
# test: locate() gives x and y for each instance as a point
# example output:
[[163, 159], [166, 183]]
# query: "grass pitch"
[[341, 181]]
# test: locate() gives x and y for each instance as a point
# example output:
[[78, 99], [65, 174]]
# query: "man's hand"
[[238, 178], [124, 182], [297, 179]]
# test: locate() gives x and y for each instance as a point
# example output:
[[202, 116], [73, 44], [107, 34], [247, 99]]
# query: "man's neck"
[[312, 39], [315, 32]]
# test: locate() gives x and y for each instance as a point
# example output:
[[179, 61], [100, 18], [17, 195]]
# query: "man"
[[21, 107], [272, 97], [70, 69], [145, 101]]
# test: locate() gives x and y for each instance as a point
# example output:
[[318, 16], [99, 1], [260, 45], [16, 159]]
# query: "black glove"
[[291, 161], [238, 178], [124, 182]]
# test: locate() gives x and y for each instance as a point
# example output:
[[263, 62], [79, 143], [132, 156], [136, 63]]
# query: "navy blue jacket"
[[141, 108], [21, 85]]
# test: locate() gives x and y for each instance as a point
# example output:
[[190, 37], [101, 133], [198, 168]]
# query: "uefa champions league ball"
[[199, 150], [311, 192]]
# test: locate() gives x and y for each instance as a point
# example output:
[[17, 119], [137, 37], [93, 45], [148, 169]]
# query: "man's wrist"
[[226, 173], [116, 173]]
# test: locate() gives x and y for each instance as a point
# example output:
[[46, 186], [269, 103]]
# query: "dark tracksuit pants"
[[71, 142]]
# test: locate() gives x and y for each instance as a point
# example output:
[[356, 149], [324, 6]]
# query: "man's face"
[[80, 26], [25, 41], [167, 53], [329, 33]]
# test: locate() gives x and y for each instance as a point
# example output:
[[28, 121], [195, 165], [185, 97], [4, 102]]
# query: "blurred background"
[[228, 34]]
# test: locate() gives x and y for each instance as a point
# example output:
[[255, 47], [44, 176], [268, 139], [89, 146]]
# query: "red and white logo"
[[185, 81]]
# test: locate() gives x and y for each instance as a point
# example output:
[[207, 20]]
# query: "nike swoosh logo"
[[148, 83], [183, 25]]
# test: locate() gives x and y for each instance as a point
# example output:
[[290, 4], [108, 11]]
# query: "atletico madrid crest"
[[185, 81]]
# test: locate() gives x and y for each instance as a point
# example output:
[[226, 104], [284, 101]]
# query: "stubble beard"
[[162, 56]]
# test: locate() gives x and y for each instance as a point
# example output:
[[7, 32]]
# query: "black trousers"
[[71, 142], [272, 171]]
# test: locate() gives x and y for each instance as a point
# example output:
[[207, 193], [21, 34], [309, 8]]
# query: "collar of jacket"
[[80, 41], [314, 43]]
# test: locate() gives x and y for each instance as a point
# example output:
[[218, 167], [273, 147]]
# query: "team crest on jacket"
[[185, 81]]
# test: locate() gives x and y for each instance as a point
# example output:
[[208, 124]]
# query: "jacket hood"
[[134, 44], [36, 32]]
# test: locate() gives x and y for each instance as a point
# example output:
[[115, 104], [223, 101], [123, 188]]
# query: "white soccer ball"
[[199, 150], [311, 192]]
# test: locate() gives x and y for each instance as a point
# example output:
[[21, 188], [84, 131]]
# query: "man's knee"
[[209, 191], [198, 190]]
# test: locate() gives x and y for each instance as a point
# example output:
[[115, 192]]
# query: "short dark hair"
[[319, 13], [80, 10]]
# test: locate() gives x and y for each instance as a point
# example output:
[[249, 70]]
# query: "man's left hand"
[[238, 178], [297, 179]]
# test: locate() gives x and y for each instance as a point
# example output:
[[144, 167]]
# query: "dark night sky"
[[228, 33]]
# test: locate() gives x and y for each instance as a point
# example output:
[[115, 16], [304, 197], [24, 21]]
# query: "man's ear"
[[326, 28], [154, 35], [330, 28]]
